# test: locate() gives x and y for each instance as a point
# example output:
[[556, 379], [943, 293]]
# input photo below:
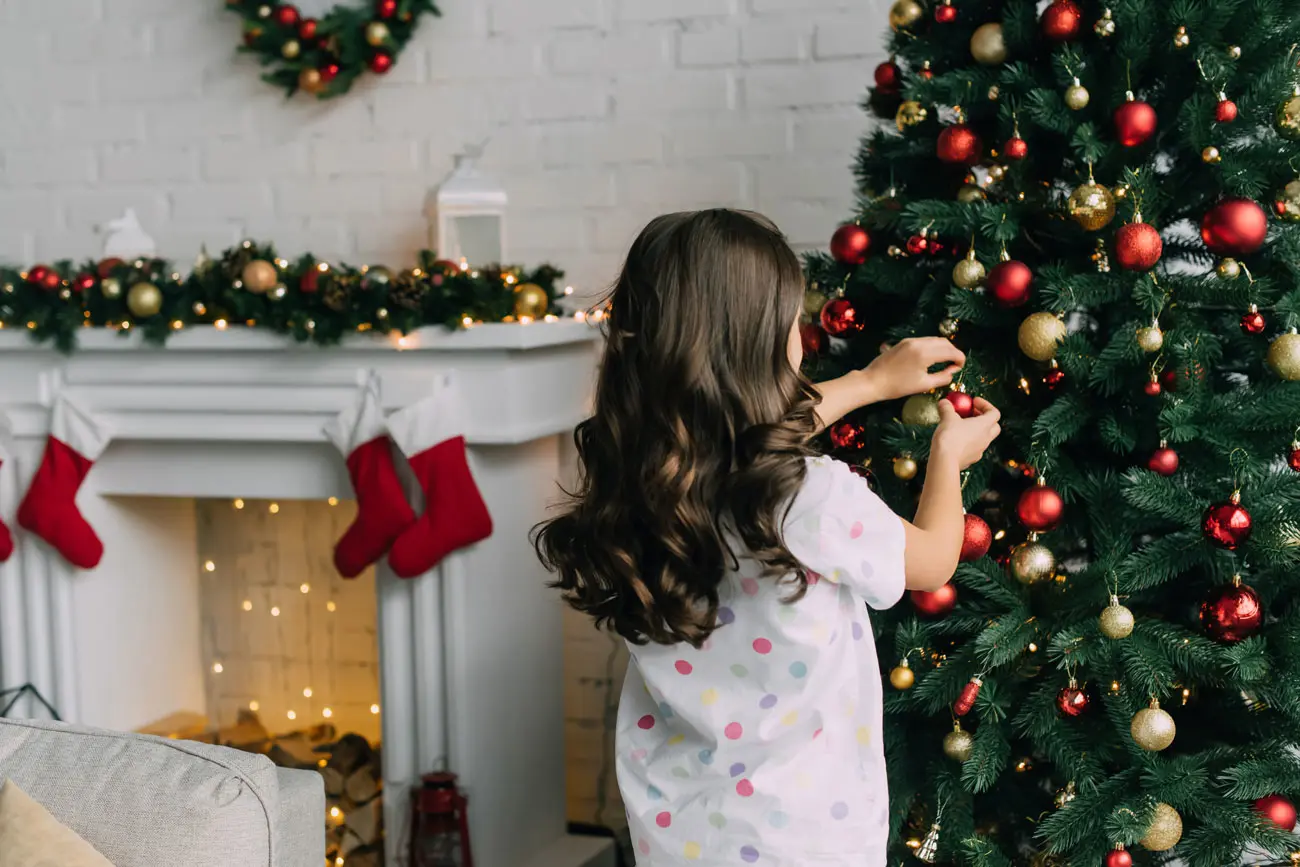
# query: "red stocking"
[[6, 539], [49, 510], [382, 510], [429, 434]]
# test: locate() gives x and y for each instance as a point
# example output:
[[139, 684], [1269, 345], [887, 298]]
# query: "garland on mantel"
[[250, 286]]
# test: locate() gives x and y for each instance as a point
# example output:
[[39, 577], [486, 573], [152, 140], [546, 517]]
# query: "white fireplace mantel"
[[470, 653]]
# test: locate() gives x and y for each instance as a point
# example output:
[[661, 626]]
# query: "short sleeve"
[[838, 528]]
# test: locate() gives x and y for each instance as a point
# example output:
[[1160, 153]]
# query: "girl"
[[735, 563]]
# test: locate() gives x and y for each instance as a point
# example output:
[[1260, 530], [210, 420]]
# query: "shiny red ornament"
[[976, 539], [962, 402], [1015, 148], [1151, 388], [106, 267], [307, 29], [385, 8], [1061, 21], [1138, 246], [966, 698], [381, 62], [1009, 283], [945, 13], [1252, 322], [84, 282], [310, 281], [918, 244], [329, 72], [286, 15], [1135, 122], [1054, 377], [937, 603], [1293, 457], [959, 144], [888, 77], [840, 316], [1234, 227], [1117, 858], [1277, 810], [811, 336], [1164, 461], [1225, 111], [37, 274], [848, 435], [926, 72], [1072, 701], [1040, 508], [1227, 525], [850, 244], [1232, 613]]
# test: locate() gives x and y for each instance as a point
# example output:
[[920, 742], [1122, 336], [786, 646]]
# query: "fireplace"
[[468, 667]]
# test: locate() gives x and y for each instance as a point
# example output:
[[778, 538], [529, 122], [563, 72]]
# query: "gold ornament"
[[1211, 155], [1288, 203], [310, 81], [1116, 621], [376, 33], [1229, 269], [1101, 257], [813, 302], [1181, 39], [1151, 338], [968, 273], [995, 93], [110, 287], [928, 851], [910, 113], [1105, 25], [144, 300], [997, 173], [921, 409], [905, 468], [1077, 96], [958, 744], [948, 328], [290, 49], [1288, 117], [1284, 356], [531, 300], [970, 193], [1065, 796], [1032, 562], [1152, 728], [902, 677], [1165, 831], [987, 45], [260, 276], [1092, 206], [1121, 191], [905, 13], [1040, 334]]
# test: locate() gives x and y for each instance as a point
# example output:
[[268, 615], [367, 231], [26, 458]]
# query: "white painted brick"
[[859, 36], [232, 160], [136, 164], [809, 225], [390, 239], [704, 91], [74, 245], [442, 109], [764, 7], [49, 165], [19, 246], [728, 137], [19, 12], [587, 52], [568, 99], [88, 209], [673, 10], [94, 124], [206, 202], [81, 41], [721, 185], [142, 81], [837, 132], [189, 120], [588, 143], [332, 197], [774, 41], [709, 47], [528, 16], [33, 210], [554, 229], [500, 57], [339, 158], [43, 85], [577, 188], [824, 84], [614, 231], [801, 179]]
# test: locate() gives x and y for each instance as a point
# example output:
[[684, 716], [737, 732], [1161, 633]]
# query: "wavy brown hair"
[[700, 429]]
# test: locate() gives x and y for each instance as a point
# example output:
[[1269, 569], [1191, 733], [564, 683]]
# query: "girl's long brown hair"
[[700, 428]]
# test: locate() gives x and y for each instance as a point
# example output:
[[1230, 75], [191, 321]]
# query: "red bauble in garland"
[[1234, 227], [1054, 377], [106, 267], [945, 13], [1227, 525], [1009, 283], [811, 337], [1061, 21], [329, 72], [918, 244], [1072, 701], [1226, 110], [1135, 122], [381, 62], [959, 144], [937, 603], [1293, 457], [962, 403], [966, 698], [848, 435], [385, 8], [310, 281], [1252, 321], [307, 29], [1163, 461], [84, 282], [1152, 388], [976, 539], [286, 15], [1138, 246], [888, 77], [1015, 148], [1277, 810], [38, 274], [1117, 858], [1040, 508], [850, 244], [840, 317], [1232, 613]]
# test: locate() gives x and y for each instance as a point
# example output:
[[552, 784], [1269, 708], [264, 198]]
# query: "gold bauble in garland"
[[949, 328], [921, 409], [1287, 206], [144, 300], [1165, 831], [987, 45], [1116, 621], [905, 468], [1288, 118], [260, 276], [1032, 562], [531, 301], [813, 302], [910, 113], [1077, 96], [902, 677], [958, 744], [1092, 206], [1229, 269], [1153, 728], [311, 81], [1040, 334], [1151, 339], [969, 272], [1284, 356], [904, 14], [111, 287], [376, 33]]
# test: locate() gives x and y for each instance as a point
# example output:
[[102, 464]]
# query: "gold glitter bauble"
[[971, 193], [904, 14], [376, 33], [1065, 796], [260, 276], [1288, 118], [1092, 206], [1032, 562], [1229, 269], [310, 81], [290, 49], [1039, 336], [144, 300], [1165, 831], [987, 45], [949, 328], [1077, 97], [813, 302], [1152, 728], [531, 300], [902, 676], [1211, 155], [968, 273], [1287, 206], [958, 745], [1151, 338], [905, 468], [1284, 356], [921, 409], [1116, 621], [910, 113], [111, 287]]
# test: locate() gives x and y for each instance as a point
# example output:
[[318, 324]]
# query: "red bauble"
[[1061, 21], [1225, 111], [310, 281], [1277, 810], [1016, 148], [381, 63], [945, 14], [976, 539], [1252, 322], [1138, 246], [286, 15], [1152, 388], [936, 604], [307, 29], [329, 72], [810, 335], [966, 698], [1234, 227], [1072, 700], [848, 435], [962, 402], [840, 317], [1135, 122], [1164, 461], [1009, 283], [84, 282], [1227, 525], [959, 144], [1232, 613], [888, 77], [1117, 858], [106, 267], [37, 274], [918, 244], [1054, 377], [850, 244], [1040, 508], [385, 8], [1293, 457]]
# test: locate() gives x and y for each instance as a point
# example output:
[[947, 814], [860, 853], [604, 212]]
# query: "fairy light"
[[177, 325], [525, 320], [374, 708], [306, 693], [510, 280], [580, 316], [467, 321], [551, 317], [292, 714], [568, 290], [254, 706], [464, 264], [333, 501], [327, 713], [220, 324], [1114, 687], [274, 508], [304, 588], [1187, 694], [275, 610], [217, 668], [248, 604], [1033, 648], [335, 813], [209, 566], [402, 342], [239, 503], [1000, 535], [331, 607]]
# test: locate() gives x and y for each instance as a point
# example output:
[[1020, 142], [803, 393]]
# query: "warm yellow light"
[[209, 566], [402, 342], [510, 279], [1114, 686], [568, 290], [274, 508], [327, 713], [304, 587], [248, 604], [282, 263], [525, 320], [333, 501], [338, 861], [254, 706], [551, 317], [474, 274], [292, 715], [580, 315], [335, 812], [466, 321], [323, 267], [464, 264], [1000, 535], [1024, 385], [374, 708], [306, 693], [220, 324], [1033, 648], [275, 610], [126, 326], [913, 843], [331, 607], [239, 504], [322, 763], [177, 325], [217, 668]]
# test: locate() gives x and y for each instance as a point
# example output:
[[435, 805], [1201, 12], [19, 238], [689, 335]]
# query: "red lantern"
[[439, 824], [1234, 227]]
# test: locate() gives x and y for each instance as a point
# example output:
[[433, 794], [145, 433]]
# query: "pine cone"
[[335, 296], [406, 292]]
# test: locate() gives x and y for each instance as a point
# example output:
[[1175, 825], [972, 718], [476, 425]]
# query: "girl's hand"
[[962, 441], [904, 368]]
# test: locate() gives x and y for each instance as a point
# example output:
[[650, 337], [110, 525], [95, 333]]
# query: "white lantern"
[[467, 215]]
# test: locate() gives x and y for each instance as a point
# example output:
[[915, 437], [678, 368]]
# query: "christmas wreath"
[[323, 57]]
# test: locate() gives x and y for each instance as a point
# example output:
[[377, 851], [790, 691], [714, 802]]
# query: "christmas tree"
[[1096, 202]]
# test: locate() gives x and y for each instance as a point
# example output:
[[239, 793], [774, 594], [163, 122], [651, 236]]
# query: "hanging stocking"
[[429, 434], [6, 538], [49, 509], [382, 510]]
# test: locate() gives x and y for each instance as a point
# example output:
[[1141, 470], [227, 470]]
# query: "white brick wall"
[[600, 114]]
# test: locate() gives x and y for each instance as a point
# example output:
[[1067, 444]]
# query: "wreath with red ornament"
[[323, 57]]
